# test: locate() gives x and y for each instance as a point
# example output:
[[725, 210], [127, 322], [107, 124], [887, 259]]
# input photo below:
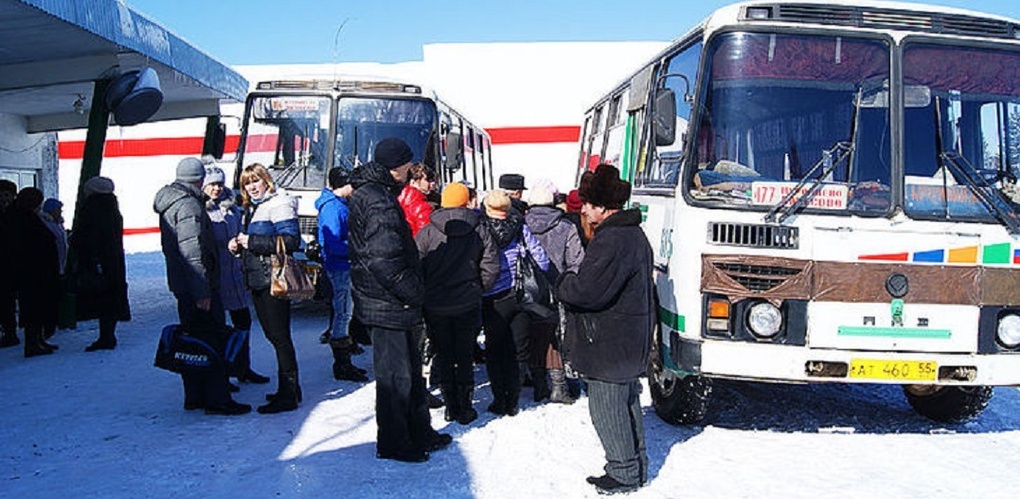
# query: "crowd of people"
[[413, 271]]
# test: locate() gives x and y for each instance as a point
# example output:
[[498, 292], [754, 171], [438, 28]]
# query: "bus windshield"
[[785, 114], [362, 122], [288, 134], [962, 150]]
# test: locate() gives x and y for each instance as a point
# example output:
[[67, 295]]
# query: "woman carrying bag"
[[268, 215]]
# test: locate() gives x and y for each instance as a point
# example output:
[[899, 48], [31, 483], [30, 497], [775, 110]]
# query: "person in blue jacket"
[[332, 206]]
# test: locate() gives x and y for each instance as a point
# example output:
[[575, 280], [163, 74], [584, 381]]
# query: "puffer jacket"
[[417, 209], [558, 237], [187, 240], [226, 219], [386, 273], [611, 302], [274, 215], [459, 259]]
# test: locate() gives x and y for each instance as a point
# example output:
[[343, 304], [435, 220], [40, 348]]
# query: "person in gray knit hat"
[[189, 247]]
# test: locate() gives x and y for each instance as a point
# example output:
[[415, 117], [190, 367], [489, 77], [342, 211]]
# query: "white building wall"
[[28, 159]]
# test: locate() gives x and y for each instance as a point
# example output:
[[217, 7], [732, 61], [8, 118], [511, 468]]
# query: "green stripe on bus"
[[997, 254], [626, 162], [671, 319], [895, 332]]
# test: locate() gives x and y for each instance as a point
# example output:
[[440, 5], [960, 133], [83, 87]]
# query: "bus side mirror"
[[454, 155], [664, 119]]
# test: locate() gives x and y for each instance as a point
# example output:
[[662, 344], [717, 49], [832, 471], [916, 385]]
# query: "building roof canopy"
[[51, 52]]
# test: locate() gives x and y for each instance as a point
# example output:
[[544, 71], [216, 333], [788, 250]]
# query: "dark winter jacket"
[[226, 219], [386, 273], [611, 300], [459, 259], [417, 209], [189, 246], [274, 215], [97, 249], [558, 238], [333, 216], [36, 273]]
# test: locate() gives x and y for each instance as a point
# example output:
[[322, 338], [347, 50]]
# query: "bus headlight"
[[764, 319], [1008, 331]]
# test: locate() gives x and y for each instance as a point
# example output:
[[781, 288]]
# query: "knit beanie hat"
[[98, 185], [455, 195], [190, 170], [540, 196], [213, 174], [392, 153], [51, 205], [574, 202]]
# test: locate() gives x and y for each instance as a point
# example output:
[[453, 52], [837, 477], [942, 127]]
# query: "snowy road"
[[108, 424]]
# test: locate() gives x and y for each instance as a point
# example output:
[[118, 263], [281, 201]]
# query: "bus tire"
[[678, 400], [948, 404]]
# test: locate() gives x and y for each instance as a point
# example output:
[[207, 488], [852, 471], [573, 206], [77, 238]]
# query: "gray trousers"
[[615, 410]]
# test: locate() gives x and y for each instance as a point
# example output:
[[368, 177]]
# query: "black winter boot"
[[467, 413], [33, 343], [540, 384], [343, 369], [453, 409], [286, 398], [8, 338], [560, 391]]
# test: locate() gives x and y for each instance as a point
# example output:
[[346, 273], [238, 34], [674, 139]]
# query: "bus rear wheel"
[[948, 404]]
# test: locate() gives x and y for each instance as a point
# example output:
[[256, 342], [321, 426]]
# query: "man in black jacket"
[[612, 302], [388, 294]]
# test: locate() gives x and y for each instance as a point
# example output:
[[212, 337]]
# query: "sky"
[[244, 32], [109, 425]]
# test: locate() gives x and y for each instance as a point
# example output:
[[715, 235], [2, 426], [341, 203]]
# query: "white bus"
[[831, 191], [299, 129]]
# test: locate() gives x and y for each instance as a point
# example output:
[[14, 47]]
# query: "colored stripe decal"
[[996, 254], [933, 256], [534, 135], [671, 320], [895, 332], [963, 255], [894, 257], [143, 230], [179, 146], [1016, 256]]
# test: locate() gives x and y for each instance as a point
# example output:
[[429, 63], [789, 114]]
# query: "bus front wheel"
[[948, 404], [677, 400]]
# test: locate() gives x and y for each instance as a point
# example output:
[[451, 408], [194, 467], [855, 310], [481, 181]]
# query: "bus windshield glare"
[[289, 135], [786, 113]]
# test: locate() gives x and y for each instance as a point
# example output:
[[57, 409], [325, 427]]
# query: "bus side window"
[[664, 171]]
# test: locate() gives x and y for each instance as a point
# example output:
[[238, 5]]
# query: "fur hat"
[[392, 153], [606, 189], [455, 195], [213, 174], [190, 170], [540, 196], [98, 185]]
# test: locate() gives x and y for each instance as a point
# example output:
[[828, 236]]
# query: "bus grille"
[[906, 20], [309, 225], [753, 236], [756, 277]]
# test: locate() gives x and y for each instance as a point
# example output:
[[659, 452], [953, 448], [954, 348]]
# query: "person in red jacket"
[[417, 209]]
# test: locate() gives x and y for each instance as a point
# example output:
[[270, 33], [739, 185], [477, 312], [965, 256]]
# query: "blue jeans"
[[342, 302]]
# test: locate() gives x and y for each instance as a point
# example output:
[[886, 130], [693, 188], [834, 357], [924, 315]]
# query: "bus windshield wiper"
[[986, 193], [831, 158], [787, 206]]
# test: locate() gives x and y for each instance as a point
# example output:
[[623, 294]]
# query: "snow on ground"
[[108, 424]]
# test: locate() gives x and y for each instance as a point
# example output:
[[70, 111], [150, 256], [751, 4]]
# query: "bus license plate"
[[900, 370]]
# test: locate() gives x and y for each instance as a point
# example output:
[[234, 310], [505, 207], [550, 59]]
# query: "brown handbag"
[[290, 280]]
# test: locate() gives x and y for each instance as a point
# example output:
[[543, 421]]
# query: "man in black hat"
[[612, 295], [513, 185], [389, 292]]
